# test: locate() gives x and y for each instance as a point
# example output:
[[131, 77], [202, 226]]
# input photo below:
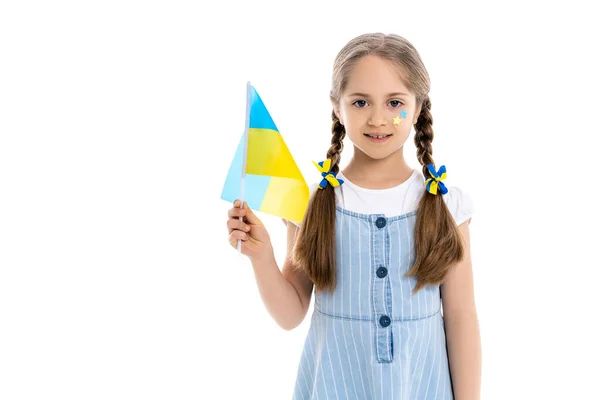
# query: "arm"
[[286, 294], [462, 326]]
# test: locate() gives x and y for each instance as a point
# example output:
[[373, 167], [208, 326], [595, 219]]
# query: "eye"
[[360, 103], [395, 103]]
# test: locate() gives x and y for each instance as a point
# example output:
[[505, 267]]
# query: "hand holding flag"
[[263, 169], [250, 236]]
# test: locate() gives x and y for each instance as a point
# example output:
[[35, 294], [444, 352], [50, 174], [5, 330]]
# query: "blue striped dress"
[[372, 339]]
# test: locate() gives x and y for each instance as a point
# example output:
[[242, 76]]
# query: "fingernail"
[[236, 203], [247, 228]]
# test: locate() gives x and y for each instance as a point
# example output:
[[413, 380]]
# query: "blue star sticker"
[[403, 114]]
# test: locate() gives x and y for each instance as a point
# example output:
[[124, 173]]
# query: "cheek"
[[348, 117], [346, 112]]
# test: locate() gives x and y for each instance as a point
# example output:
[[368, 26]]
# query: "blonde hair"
[[438, 243]]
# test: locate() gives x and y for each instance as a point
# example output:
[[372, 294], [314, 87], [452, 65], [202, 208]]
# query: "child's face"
[[376, 102]]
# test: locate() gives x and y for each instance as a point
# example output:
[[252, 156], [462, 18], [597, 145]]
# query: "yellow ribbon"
[[328, 177]]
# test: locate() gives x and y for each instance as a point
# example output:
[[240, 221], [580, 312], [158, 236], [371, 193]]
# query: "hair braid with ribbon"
[[335, 150], [330, 166], [314, 250], [438, 244]]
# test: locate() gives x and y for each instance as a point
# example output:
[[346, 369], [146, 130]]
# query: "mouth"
[[378, 137]]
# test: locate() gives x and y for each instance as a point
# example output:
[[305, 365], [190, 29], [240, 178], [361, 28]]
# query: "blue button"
[[381, 272], [385, 321], [380, 222]]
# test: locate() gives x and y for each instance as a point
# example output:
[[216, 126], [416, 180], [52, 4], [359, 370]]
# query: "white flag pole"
[[244, 157]]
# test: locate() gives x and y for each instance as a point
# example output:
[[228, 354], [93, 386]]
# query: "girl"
[[384, 246]]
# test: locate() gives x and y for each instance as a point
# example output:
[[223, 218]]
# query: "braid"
[[424, 136], [438, 244], [338, 132], [314, 250]]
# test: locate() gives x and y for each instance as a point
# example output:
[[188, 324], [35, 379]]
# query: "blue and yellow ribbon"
[[436, 179], [328, 177]]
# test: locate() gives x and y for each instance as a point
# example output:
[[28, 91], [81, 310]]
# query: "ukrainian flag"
[[273, 183]]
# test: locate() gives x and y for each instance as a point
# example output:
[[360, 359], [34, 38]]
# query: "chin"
[[380, 154]]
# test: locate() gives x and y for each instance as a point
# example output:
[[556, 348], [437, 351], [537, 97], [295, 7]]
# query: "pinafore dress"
[[372, 339]]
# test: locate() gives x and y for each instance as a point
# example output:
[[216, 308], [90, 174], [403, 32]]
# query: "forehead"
[[375, 76]]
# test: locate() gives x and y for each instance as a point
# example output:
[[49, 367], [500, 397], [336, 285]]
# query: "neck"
[[377, 174]]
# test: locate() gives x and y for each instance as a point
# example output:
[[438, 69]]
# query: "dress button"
[[381, 272], [380, 222], [384, 321]]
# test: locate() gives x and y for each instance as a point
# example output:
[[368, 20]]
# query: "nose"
[[377, 118]]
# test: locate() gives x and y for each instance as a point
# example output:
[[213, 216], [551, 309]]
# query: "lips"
[[378, 135]]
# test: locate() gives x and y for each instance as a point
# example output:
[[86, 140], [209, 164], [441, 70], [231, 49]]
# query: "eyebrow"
[[388, 95]]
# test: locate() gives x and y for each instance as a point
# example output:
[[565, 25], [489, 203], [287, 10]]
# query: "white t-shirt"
[[399, 199]]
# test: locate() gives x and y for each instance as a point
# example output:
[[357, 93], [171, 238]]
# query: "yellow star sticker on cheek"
[[396, 120]]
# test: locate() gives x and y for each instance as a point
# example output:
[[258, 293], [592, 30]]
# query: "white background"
[[119, 119]]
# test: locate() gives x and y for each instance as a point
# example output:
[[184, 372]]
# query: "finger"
[[251, 218], [235, 223], [236, 235], [237, 212]]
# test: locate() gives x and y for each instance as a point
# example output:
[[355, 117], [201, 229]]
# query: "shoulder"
[[458, 200], [460, 204]]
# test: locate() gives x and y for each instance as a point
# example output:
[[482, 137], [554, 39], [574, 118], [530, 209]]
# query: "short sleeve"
[[460, 204], [311, 189]]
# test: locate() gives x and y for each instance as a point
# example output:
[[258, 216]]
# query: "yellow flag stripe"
[[268, 155], [286, 197]]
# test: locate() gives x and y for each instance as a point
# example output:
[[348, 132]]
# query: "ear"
[[336, 110], [417, 113]]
